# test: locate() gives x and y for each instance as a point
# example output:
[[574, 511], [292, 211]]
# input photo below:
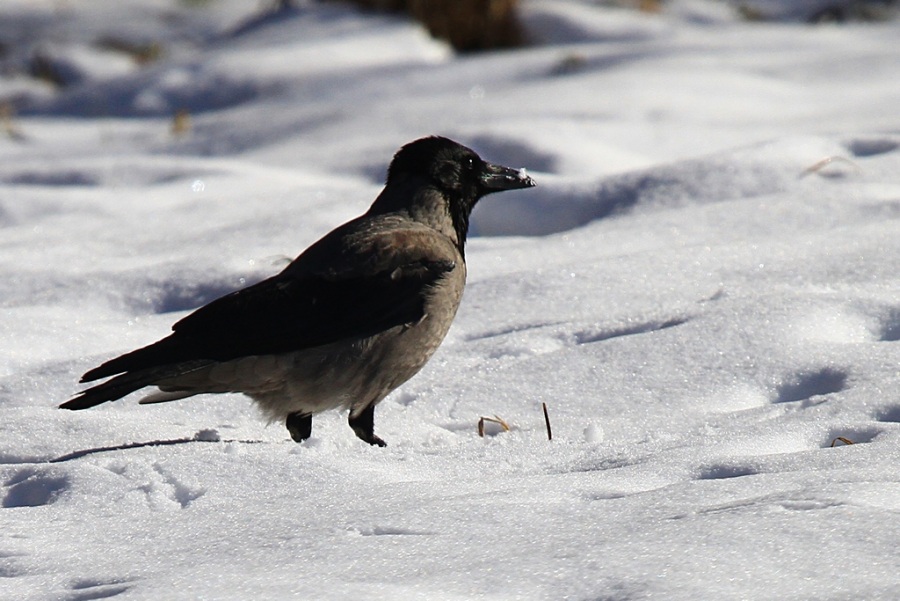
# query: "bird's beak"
[[497, 177]]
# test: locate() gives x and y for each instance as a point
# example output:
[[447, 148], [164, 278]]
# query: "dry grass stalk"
[[820, 165], [494, 420], [6, 121], [181, 122], [140, 53]]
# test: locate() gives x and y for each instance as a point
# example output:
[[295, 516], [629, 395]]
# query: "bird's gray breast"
[[394, 356], [356, 374]]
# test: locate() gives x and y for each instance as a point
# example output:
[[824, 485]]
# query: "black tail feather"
[[109, 391], [127, 383]]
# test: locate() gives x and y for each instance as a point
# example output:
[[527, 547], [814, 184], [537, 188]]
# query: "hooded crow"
[[348, 321]]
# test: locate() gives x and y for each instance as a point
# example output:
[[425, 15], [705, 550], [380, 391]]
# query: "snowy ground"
[[704, 289]]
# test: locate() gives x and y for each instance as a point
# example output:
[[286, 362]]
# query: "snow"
[[703, 289]]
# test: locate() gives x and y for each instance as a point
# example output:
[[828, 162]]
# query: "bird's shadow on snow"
[[201, 437]]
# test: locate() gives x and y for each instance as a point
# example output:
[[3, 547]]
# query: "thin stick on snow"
[[820, 165], [547, 421]]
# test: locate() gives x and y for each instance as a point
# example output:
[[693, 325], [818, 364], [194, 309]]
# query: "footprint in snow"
[[807, 385], [34, 487]]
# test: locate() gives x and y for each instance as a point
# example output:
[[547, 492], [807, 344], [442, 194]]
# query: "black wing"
[[288, 313]]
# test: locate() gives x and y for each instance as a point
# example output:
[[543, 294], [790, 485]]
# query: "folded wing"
[[288, 312]]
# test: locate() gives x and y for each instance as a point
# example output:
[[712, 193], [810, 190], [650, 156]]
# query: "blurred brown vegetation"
[[468, 25]]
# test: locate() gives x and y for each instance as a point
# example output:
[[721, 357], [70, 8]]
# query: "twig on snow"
[[547, 421]]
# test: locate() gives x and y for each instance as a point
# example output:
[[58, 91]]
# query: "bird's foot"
[[364, 426], [299, 425], [374, 440]]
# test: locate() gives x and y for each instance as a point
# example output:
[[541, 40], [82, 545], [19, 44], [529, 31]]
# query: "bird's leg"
[[299, 425], [364, 426]]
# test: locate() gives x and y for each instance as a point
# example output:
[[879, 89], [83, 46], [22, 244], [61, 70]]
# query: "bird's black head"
[[457, 173]]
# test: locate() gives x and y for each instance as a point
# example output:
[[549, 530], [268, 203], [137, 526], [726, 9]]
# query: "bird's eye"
[[470, 164]]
